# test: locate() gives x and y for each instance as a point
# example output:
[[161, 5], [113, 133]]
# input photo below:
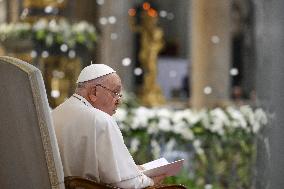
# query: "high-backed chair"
[[29, 155]]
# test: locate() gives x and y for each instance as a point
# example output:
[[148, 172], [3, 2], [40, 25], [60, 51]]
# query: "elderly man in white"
[[90, 142]]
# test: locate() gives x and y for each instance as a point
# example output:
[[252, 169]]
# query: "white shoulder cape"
[[91, 143]]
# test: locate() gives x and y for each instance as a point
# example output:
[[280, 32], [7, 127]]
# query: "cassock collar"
[[82, 99]]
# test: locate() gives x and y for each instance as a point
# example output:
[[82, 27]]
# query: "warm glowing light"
[[131, 12], [33, 54], [100, 2], [64, 48], [55, 93], [126, 61], [103, 20], [163, 13], [152, 12], [138, 71], [146, 6], [48, 9], [113, 36], [71, 54], [170, 16], [234, 71], [112, 19], [207, 90], [44, 54], [215, 39]]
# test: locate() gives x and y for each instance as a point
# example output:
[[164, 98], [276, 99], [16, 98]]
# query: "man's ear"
[[92, 94]]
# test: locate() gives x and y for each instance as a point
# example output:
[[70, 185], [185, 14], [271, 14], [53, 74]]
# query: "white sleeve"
[[141, 181], [116, 165]]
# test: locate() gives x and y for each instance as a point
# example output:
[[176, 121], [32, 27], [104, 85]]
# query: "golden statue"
[[151, 44]]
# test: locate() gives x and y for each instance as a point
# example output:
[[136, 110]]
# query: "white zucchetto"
[[94, 71]]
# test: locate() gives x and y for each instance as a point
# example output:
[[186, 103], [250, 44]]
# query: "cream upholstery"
[[29, 156]]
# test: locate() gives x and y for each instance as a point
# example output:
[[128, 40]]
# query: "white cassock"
[[91, 145]]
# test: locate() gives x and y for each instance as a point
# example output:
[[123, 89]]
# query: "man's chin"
[[113, 111]]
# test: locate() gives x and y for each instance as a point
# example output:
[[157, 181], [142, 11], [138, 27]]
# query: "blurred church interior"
[[170, 54], [224, 47]]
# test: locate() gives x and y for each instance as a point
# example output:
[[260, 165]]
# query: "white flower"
[[192, 117], [14, 30], [183, 130], [205, 119], [238, 119], [220, 115], [156, 149], [153, 128], [136, 123], [83, 26], [49, 39], [53, 26], [248, 114], [199, 151], [134, 144], [178, 116], [163, 112], [219, 120], [42, 24], [197, 146], [208, 186], [170, 145], [120, 115], [260, 116], [178, 128], [141, 117], [255, 127], [196, 143], [164, 124], [217, 127]]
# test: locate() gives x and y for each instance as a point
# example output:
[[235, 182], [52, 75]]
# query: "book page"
[[155, 163], [168, 169]]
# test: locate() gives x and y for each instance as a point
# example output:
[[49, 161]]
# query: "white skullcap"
[[94, 71]]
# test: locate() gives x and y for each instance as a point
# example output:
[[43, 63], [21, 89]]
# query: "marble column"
[[3, 11], [13, 10], [115, 45], [210, 52], [269, 91]]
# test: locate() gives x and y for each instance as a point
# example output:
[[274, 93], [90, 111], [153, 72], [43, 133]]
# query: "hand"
[[140, 167], [158, 179]]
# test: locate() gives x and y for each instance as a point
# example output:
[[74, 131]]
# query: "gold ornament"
[[151, 44]]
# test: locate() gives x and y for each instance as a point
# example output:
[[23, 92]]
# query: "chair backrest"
[[29, 155]]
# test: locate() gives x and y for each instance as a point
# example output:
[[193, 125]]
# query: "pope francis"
[[90, 142]]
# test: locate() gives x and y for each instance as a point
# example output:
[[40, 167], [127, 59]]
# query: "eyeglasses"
[[116, 94]]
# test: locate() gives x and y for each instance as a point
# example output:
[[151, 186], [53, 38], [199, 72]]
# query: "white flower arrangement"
[[14, 30], [219, 140], [51, 33], [188, 125], [58, 32], [215, 120]]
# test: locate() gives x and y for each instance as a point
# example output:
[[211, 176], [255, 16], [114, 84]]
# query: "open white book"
[[162, 167]]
